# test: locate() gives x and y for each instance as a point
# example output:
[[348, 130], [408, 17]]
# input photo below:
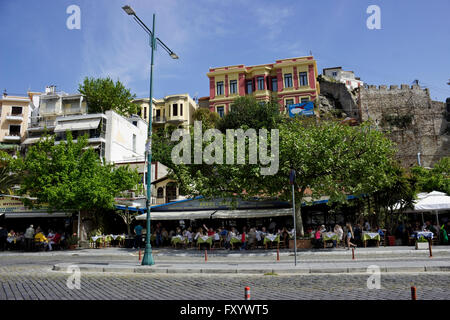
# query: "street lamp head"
[[173, 55], [128, 10]]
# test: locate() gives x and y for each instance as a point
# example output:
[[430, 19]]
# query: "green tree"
[[102, 94], [247, 112], [330, 159], [8, 174], [435, 179], [208, 118], [70, 176]]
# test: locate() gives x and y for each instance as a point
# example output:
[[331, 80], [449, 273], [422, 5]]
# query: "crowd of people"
[[30, 240], [248, 237]]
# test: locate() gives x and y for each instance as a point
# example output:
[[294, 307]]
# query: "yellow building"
[[290, 81], [14, 114], [176, 110]]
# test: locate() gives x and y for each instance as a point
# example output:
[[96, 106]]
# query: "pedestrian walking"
[[29, 238]]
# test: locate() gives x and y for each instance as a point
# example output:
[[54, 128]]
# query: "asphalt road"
[[31, 278]]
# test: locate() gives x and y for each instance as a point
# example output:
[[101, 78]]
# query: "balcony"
[[12, 136], [40, 124], [14, 116], [177, 119], [160, 119]]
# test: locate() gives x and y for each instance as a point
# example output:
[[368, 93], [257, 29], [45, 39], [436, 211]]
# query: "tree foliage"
[[102, 94], [8, 175], [246, 112], [435, 179], [208, 118], [330, 159], [70, 175]]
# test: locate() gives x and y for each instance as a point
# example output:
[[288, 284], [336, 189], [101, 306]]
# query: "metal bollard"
[[353, 253], [247, 293], [140, 254], [206, 255], [429, 248], [278, 254], [413, 293]]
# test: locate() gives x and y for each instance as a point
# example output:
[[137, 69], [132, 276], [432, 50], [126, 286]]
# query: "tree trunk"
[[298, 218], [86, 225]]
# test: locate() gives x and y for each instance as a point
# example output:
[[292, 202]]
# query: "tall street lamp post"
[[148, 258]]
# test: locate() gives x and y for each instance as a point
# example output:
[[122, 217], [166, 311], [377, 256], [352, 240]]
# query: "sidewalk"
[[170, 252], [388, 259], [264, 268]]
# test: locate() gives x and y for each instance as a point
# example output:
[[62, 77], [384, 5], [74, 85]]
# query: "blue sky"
[[38, 50]]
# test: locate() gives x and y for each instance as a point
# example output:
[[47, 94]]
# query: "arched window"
[[160, 193]]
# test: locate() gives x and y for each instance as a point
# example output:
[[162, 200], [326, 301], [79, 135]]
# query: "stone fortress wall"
[[405, 113]]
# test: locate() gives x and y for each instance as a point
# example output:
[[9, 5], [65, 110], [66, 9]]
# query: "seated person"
[[318, 238], [41, 239]]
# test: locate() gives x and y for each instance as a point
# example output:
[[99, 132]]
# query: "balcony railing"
[[42, 123], [159, 119], [14, 116]]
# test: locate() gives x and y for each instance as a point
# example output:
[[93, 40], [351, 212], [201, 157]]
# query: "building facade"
[[176, 110], [14, 118], [346, 77], [289, 81]]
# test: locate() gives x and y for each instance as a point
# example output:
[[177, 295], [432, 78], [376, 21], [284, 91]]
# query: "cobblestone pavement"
[[31, 278], [39, 283]]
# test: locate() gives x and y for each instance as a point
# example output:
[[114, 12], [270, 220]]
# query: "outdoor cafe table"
[[371, 236], [329, 236], [100, 240], [204, 239], [235, 240], [423, 234], [178, 240], [271, 238]]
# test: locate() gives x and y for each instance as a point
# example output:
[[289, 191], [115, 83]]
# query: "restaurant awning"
[[256, 213], [31, 214], [177, 215], [86, 124]]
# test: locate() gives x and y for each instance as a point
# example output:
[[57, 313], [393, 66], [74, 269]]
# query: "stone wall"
[[405, 113], [411, 119]]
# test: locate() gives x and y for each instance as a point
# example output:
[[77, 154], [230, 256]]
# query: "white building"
[[115, 137], [347, 77]]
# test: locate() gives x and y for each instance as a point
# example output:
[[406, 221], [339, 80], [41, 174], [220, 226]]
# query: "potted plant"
[[302, 242], [421, 243], [72, 241]]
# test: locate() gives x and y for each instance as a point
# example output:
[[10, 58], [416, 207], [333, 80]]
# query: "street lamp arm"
[[170, 52], [139, 21]]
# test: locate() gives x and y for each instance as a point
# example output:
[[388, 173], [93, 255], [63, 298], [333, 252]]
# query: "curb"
[[243, 271]]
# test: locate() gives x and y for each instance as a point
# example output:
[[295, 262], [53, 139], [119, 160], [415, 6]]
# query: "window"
[[249, 86], [16, 110], [334, 73], [181, 109], [288, 80], [233, 86], [175, 110], [289, 102], [145, 112], [14, 130], [303, 78], [274, 84], [135, 123], [134, 143], [260, 83], [160, 193], [304, 100], [220, 111], [220, 88]]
